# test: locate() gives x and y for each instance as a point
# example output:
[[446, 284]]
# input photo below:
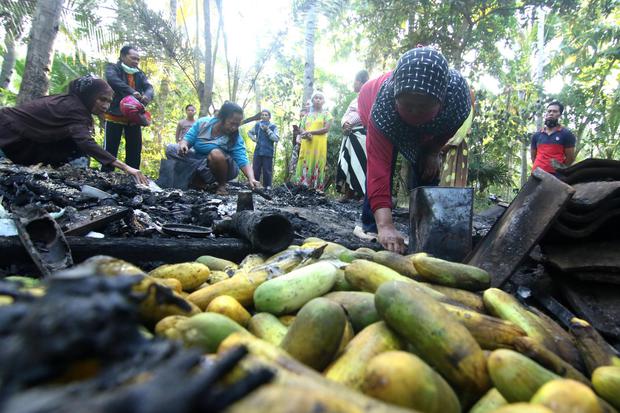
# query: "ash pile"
[[109, 214]]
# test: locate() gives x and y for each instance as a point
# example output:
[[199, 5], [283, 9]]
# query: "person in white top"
[[351, 173]]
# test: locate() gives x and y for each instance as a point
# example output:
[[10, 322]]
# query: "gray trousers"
[[200, 163]]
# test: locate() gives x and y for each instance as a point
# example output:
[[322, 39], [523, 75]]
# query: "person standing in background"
[[313, 148], [265, 134], [292, 165], [351, 172], [554, 143], [126, 79], [185, 124]]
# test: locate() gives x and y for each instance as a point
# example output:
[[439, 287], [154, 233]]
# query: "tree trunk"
[[173, 11], [257, 97], [197, 54], [311, 18], [257, 90], [524, 173], [13, 30], [541, 61], [35, 81], [9, 61], [207, 94], [162, 98], [220, 29], [236, 74]]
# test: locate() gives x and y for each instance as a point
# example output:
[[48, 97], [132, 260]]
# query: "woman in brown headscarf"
[[56, 129]]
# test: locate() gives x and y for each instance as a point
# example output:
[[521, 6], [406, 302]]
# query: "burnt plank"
[[96, 218], [520, 228], [136, 250]]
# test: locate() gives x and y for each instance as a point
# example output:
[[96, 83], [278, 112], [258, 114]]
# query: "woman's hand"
[[391, 239], [346, 127], [249, 173], [254, 184], [138, 176], [183, 147]]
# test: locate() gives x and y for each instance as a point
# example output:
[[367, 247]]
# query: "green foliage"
[[589, 60], [485, 172], [456, 26], [491, 39], [65, 68], [153, 34], [7, 97]]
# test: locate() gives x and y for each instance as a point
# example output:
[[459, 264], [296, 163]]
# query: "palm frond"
[[153, 33], [14, 14]]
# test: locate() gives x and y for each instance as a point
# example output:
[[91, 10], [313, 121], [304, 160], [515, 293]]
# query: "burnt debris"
[[80, 348]]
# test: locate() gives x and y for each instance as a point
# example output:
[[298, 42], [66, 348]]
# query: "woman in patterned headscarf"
[[56, 129], [413, 110]]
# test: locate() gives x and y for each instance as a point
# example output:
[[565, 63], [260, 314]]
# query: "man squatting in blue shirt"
[[218, 141]]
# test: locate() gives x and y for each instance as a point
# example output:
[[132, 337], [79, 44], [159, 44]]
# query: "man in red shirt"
[[553, 142]]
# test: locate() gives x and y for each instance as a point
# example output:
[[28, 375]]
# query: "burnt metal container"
[[440, 221]]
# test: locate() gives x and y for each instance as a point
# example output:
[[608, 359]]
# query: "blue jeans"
[[368, 219]]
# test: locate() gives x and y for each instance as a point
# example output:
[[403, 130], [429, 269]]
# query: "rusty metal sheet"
[[520, 228], [44, 241], [440, 221], [578, 257]]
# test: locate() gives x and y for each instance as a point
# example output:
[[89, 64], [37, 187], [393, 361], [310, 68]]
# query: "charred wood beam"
[[267, 232], [135, 250]]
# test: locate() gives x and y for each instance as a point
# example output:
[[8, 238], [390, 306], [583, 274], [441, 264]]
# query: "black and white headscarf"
[[421, 70]]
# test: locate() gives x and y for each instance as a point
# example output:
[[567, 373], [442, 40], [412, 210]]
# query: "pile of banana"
[[365, 331]]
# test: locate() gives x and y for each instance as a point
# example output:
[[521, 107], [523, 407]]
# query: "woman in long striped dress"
[[351, 173]]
